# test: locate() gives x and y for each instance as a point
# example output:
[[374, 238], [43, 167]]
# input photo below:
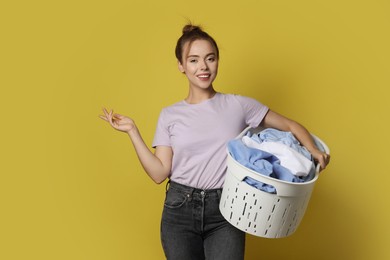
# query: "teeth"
[[204, 76]]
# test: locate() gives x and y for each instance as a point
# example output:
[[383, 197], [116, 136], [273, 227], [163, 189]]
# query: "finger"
[[112, 118], [326, 157], [327, 160], [323, 165], [119, 116], [320, 160], [103, 117], [106, 113], [115, 117], [324, 161]]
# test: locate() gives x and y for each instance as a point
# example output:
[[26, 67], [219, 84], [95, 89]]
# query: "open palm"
[[117, 121]]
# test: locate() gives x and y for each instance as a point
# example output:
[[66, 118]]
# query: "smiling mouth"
[[205, 76]]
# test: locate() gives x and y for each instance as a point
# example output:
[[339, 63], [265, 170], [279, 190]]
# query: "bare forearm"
[[303, 136], [157, 165], [152, 165], [280, 122], [306, 139]]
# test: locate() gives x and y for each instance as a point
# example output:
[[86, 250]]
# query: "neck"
[[196, 96]]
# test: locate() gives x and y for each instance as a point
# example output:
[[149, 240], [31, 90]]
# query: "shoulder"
[[172, 108], [237, 98], [229, 97]]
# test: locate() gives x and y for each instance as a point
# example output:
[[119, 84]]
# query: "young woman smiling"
[[190, 150]]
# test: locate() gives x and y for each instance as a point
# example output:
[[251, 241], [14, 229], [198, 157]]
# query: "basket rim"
[[261, 176]]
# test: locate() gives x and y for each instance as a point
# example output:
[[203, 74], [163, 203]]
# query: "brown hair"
[[190, 34]]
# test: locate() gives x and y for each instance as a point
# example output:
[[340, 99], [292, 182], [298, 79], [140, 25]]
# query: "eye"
[[192, 60], [211, 59]]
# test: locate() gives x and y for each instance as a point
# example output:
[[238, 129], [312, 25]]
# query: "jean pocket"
[[175, 199]]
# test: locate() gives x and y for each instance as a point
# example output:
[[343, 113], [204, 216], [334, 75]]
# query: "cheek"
[[215, 67], [190, 68]]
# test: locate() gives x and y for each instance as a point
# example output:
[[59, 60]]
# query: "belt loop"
[[219, 192]]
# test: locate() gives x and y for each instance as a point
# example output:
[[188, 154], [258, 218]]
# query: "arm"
[[275, 120], [157, 165]]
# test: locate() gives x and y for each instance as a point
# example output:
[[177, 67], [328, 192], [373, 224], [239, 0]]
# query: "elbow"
[[159, 181]]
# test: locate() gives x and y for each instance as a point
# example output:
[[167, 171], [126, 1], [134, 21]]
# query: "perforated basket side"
[[260, 213]]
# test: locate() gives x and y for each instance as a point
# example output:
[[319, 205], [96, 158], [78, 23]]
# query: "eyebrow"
[[197, 56]]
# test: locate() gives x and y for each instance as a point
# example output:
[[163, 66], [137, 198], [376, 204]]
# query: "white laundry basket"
[[260, 213]]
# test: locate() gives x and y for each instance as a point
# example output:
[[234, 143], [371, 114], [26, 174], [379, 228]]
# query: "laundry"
[[263, 163], [287, 138], [296, 162], [276, 154]]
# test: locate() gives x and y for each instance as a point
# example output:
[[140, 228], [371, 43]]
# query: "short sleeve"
[[254, 110], [161, 136]]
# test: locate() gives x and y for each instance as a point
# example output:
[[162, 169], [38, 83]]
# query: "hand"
[[322, 158], [117, 121]]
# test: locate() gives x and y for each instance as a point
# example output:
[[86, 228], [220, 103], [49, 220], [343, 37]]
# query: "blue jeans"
[[192, 226]]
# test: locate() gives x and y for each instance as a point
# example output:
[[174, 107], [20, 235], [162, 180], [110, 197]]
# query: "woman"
[[190, 150]]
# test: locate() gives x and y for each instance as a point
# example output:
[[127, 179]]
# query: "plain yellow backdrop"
[[72, 188]]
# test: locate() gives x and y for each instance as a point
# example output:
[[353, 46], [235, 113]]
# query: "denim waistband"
[[191, 190]]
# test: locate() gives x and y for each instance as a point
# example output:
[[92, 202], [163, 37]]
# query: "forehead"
[[199, 48]]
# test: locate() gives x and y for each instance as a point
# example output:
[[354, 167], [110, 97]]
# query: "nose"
[[203, 65]]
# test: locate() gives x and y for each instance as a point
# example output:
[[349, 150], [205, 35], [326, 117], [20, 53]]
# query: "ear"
[[180, 66]]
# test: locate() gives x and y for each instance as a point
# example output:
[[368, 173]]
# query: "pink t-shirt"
[[198, 134]]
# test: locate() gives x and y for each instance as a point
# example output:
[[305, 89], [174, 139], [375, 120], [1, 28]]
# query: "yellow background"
[[72, 188]]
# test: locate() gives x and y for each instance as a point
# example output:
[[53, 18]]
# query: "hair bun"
[[189, 28], [192, 33]]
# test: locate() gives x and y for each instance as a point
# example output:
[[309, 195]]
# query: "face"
[[200, 63]]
